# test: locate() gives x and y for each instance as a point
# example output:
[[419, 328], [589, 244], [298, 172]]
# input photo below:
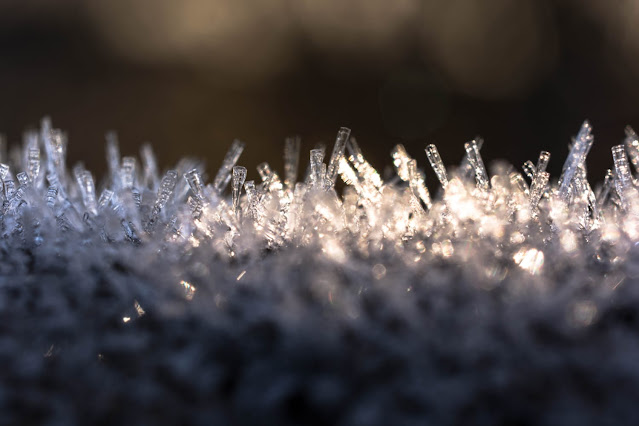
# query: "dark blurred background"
[[191, 75]]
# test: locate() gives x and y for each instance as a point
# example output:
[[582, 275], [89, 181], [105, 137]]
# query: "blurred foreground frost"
[[500, 298]]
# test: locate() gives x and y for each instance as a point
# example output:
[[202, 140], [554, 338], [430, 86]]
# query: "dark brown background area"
[[59, 59]]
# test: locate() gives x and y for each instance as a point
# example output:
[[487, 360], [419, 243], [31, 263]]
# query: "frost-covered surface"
[[508, 298]]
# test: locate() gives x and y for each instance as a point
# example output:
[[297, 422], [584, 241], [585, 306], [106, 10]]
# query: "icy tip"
[[239, 175]]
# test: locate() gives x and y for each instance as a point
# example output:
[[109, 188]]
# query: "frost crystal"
[[338, 152], [291, 161], [127, 172], [575, 159], [476, 162], [358, 302], [623, 178], [239, 176], [318, 168], [437, 164], [224, 173]]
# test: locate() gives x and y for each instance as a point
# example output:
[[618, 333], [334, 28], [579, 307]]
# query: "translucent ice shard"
[[623, 178], [538, 187], [437, 164], [196, 206], [291, 161], [23, 179], [466, 168], [105, 198], [51, 197], [167, 186], [16, 199], [576, 159], [194, 180], [54, 180], [370, 177], [230, 159], [34, 164], [542, 163], [127, 172], [55, 146], [348, 174], [129, 231], [518, 182], [9, 187], [338, 152], [4, 171], [400, 160], [317, 168], [622, 169], [354, 150], [239, 176], [85, 182], [417, 184], [632, 147], [113, 157], [476, 162], [149, 165], [270, 179], [540, 179], [252, 199], [604, 190]]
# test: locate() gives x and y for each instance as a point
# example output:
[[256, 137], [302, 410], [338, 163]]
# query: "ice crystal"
[[370, 302], [291, 161], [437, 164]]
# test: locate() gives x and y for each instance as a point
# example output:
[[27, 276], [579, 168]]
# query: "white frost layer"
[[501, 299], [493, 226]]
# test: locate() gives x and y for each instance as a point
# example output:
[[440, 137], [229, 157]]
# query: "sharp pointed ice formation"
[[623, 178], [437, 164], [538, 188], [576, 159], [476, 162], [165, 191], [239, 176], [291, 161], [318, 168], [223, 175], [632, 147], [338, 152]]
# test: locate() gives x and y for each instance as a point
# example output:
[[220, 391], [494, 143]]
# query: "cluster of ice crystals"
[[368, 301], [491, 226]]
